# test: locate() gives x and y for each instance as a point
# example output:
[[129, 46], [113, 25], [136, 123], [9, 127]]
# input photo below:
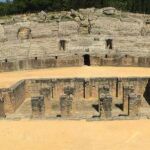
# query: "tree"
[[22, 6]]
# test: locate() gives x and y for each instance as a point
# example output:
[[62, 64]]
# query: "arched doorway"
[[87, 60]]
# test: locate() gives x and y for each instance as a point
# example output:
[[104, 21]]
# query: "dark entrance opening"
[[6, 60], [62, 45], [109, 44], [147, 92], [87, 60]]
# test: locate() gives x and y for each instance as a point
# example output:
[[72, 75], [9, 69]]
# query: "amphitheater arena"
[[91, 64], [57, 65]]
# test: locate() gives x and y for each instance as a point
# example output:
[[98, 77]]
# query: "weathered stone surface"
[[69, 90], [78, 29], [24, 33], [109, 11], [2, 34], [2, 110], [38, 106], [134, 104], [42, 15], [66, 105], [105, 105], [68, 28], [76, 98], [87, 11], [127, 90]]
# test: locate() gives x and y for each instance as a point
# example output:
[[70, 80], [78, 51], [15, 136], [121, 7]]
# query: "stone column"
[[126, 91], [66, 105], [38, 106], [79, 89], [105, 106], [104, 89], [134, 104], [46, 92], [2, 111], [66, 102], [120, 89], [87, 89]]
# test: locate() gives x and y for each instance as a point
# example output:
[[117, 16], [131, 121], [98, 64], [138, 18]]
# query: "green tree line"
[[22, 6]]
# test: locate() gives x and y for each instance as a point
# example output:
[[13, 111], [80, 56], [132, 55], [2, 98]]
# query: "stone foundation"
[[88, 98], [72, 61]]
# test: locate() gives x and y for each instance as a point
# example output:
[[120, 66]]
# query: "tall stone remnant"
[[105, 102], [38, 106], [126, 91], [66, 105], [46, 92], [66, 102], [2, 111], [134, 104], [131, 101]]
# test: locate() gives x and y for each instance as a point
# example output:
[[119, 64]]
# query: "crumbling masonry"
[[77, 98], [92, 37]]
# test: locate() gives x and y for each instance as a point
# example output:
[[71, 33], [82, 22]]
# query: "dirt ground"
[[10, 78], [74, 135]]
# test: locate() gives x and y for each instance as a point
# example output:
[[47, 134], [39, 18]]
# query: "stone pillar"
[[104, 89], [134, 104], [79, 89], [119, 89], [2, 111], [66, 105], [46, 92], [126, 91], [69, 91], [105, 102], [66, 102], [38, 106], [105, 106], [87, 89]]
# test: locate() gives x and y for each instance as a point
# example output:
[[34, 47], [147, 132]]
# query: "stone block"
[[2, 111], [105, 105], [69, 90], [126, 91], [104, 89], [66, 105], [109, 11], [38, 106], [134, 104]]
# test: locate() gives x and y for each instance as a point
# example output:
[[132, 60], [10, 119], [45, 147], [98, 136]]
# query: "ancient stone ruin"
[[91, 37], [77, 98]]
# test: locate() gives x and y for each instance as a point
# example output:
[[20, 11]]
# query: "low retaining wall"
[[73, 60], [14, 96]]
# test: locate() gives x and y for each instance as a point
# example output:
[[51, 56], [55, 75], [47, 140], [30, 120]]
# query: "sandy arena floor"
[[74, 135], [9, 78]]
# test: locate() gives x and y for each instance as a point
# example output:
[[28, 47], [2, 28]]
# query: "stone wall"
[[73, 60], [69, 35], [104, 98], [14, 96]]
